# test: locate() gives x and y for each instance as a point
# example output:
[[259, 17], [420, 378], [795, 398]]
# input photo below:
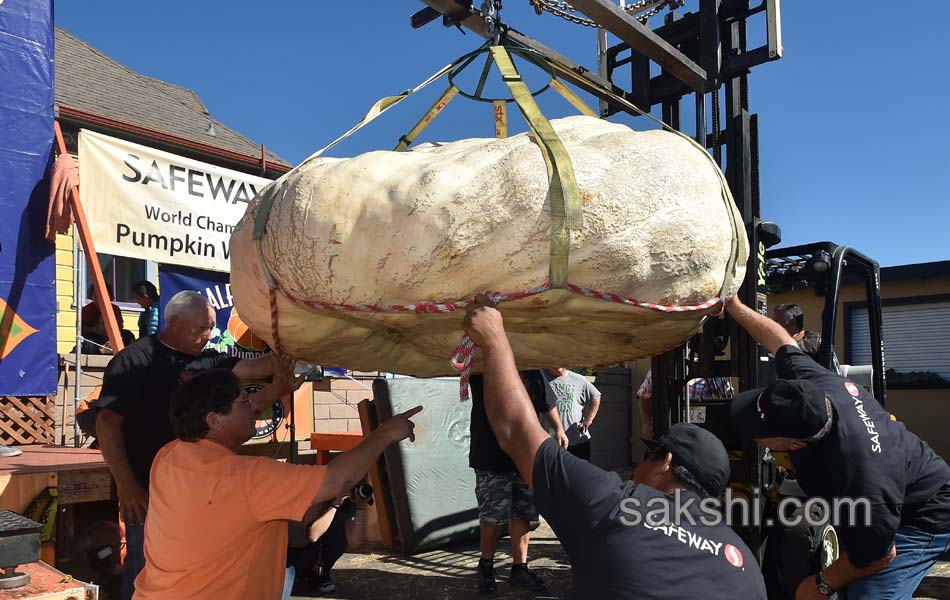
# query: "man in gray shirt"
[[577, 402]]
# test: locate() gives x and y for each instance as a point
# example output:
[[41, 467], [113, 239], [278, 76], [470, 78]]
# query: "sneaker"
[[523, 577], [325, 585], [486, 577]]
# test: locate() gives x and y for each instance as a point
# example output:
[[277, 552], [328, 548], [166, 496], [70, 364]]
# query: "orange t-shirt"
[[217, 523]]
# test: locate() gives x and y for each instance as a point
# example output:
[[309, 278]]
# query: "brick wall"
[[335, 401]]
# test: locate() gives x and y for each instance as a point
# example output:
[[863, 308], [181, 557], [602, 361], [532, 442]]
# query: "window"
[[121, 273], [915, 337]]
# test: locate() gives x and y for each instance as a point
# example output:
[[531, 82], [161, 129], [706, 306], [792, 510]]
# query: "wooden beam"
[[642, 39], [324, 443], [98, 281], [566, 69], [385, 511]]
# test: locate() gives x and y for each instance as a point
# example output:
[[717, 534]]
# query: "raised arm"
[[507, 405], [284, 382], [255, 369], [767, 332]]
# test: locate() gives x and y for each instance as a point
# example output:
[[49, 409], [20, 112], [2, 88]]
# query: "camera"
[[310, 372], [363, 491]]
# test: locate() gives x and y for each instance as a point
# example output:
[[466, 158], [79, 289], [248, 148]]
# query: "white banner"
[[145, 203]]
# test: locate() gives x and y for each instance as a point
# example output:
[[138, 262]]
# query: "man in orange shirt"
[[217, 522]]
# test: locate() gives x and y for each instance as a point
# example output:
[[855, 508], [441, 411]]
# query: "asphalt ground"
[[449, 573]]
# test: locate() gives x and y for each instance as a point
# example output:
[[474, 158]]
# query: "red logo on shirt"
[[852, 389], [733, 555]]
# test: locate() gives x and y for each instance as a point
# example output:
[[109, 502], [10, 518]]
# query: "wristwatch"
[[824, 588]]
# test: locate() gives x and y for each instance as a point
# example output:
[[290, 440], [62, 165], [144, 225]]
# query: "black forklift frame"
[[702, 53], [825, 265]]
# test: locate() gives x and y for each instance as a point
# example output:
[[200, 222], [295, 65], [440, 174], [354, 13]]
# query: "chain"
[[564, 9]]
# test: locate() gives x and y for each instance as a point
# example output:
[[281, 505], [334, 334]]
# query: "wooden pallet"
[[27, 419]]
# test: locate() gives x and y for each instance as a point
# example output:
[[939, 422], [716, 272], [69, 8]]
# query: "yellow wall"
[[926, 412], [66, 314]]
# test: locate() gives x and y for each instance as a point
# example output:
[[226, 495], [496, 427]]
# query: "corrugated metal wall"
[[610, 433]]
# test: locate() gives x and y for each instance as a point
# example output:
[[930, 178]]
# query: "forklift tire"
[[794, 553]]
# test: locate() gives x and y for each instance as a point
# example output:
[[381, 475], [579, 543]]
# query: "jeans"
[[917, 551], [134, 558], [289, 575]]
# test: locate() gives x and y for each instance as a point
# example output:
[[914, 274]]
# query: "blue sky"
[[853, 121]]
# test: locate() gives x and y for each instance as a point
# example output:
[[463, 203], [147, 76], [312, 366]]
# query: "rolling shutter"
[[915, 337]]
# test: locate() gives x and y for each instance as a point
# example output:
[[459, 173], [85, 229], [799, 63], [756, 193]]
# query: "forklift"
[[787, 555], [705, 53]]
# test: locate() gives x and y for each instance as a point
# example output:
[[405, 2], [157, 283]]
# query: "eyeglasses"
[[243, 398]]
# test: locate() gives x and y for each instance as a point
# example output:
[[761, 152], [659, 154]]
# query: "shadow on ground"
[[449, 573], [446, 573]]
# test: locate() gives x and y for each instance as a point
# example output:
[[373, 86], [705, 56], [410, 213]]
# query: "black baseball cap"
[[699, 452], [788, 408]]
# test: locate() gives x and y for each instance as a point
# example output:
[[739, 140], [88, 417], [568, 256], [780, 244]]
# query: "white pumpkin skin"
[[446, 221]]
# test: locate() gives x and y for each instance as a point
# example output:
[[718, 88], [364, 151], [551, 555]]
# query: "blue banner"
[[27, 264], [231, 335]]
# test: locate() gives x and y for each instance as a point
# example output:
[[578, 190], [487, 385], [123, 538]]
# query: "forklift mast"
[[705, 54]]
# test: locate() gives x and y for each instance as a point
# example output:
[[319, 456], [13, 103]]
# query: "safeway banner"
[[149, 204]]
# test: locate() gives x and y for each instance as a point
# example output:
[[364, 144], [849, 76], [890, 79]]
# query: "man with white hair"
[[133, 417]]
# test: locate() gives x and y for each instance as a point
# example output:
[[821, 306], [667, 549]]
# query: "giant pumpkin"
[[446, 221]]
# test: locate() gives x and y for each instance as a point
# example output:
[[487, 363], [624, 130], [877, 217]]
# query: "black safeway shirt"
[[139, 383], [484, 451], [615, 555], [868, 455]]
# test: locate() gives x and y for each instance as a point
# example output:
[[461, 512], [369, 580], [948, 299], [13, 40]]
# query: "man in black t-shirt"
[[503, 495], [133, 423], [792, 319], [843, 444], [618, 546]]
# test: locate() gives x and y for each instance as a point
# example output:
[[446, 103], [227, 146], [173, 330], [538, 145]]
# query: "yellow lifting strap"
[[500, 115], [269, 193], [563, 194], [427, 118], [573, 98], [726, 193]]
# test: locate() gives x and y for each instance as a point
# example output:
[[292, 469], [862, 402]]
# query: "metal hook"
[[491, 13]]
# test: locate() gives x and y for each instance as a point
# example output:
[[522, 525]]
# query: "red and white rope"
[[273, 317], [464, 353]]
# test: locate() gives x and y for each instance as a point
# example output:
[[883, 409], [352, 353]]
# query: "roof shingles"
[[90, 81]]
